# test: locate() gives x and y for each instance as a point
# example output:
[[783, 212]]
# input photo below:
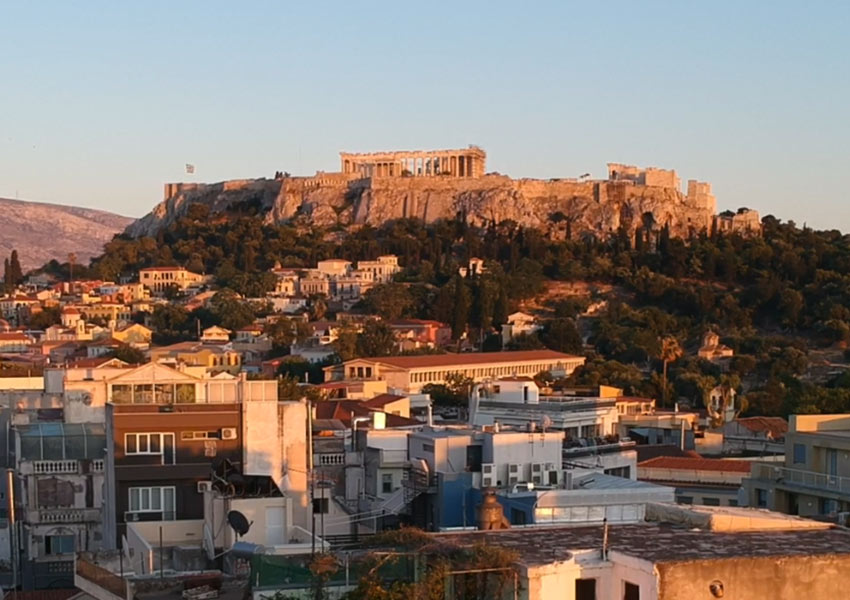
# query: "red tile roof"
[[479, 358], [776, 426], [696, 464], [14, 337], [646, 452], [381, 400]]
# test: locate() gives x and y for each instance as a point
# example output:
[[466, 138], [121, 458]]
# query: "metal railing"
[[802, 478]]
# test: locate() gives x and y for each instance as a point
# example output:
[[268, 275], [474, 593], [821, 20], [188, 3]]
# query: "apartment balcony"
[[61, 467], [801, 480]]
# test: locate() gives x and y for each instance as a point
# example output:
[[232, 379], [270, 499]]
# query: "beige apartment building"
[[158, 279], [815, 477]]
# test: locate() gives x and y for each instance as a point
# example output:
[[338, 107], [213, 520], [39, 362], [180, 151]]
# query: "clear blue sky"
[[103, 102]]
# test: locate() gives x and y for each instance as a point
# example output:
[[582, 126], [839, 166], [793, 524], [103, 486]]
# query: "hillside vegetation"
[[781, 301]]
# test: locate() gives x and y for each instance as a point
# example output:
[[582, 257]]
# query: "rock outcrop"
[[584, 207], [41, 232]]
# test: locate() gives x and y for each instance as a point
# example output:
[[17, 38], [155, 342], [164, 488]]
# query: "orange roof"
[[776, 426], [696, 464], [14, 336], [70, 310], [479, 358]]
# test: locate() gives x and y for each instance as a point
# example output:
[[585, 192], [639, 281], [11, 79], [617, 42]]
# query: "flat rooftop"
[[657, 542]]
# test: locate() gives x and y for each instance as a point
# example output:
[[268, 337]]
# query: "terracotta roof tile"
[[696, 464], [776, 426]]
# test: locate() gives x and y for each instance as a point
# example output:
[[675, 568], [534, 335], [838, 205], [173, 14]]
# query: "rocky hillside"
[[41, 232], [595, 207]]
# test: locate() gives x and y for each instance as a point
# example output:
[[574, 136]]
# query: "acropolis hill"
[[377, 187]]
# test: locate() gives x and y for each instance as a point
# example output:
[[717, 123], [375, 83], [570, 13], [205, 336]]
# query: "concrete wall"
[[557, 581], [293, 426], [746, 578], [22, 383]]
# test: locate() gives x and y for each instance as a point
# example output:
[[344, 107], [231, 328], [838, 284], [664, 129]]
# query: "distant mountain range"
[[41, 232]]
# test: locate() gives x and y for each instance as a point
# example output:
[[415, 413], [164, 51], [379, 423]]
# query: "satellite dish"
[[238, 522]]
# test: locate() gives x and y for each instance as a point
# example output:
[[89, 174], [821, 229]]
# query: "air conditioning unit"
[[513, 480], [228, 433], [513, 468], [549, 467], [536, 468], [204, 486], [488, 481], [537, 479], [488, 469]]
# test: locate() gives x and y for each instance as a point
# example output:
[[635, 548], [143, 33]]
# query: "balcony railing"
[[50, 467], [800, 478], [64, 515], [329, 460]]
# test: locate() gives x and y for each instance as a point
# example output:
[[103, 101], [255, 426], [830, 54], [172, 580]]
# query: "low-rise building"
[[756, 436], [215, 358], [519, 323], [159, 279], [815, 477], [409, 374], [706, 481]]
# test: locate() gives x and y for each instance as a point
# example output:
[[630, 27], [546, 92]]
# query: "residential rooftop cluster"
[[193, 464]]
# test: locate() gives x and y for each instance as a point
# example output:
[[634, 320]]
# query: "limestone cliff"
[[41, 232], [591, 207]]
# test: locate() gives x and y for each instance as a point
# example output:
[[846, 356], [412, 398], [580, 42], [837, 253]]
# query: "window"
[[631, 591], [710, 501], [150, 444], [153, 499], [619, 472], [799, 454], [761, 498], [200, 435], [733, 503], [386, 483], [685, 499], [585, 589], [320, 506], [828, 506], [59, 544], [428, 448]]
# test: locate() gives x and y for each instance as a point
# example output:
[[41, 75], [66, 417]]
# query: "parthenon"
[[469, 162]]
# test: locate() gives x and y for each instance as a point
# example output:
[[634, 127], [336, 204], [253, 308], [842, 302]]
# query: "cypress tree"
[[16, 272], [460, 318]]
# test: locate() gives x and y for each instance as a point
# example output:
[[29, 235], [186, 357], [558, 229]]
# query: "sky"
[[103, 102]]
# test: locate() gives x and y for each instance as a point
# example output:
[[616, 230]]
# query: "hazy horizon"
[[109, 102]]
